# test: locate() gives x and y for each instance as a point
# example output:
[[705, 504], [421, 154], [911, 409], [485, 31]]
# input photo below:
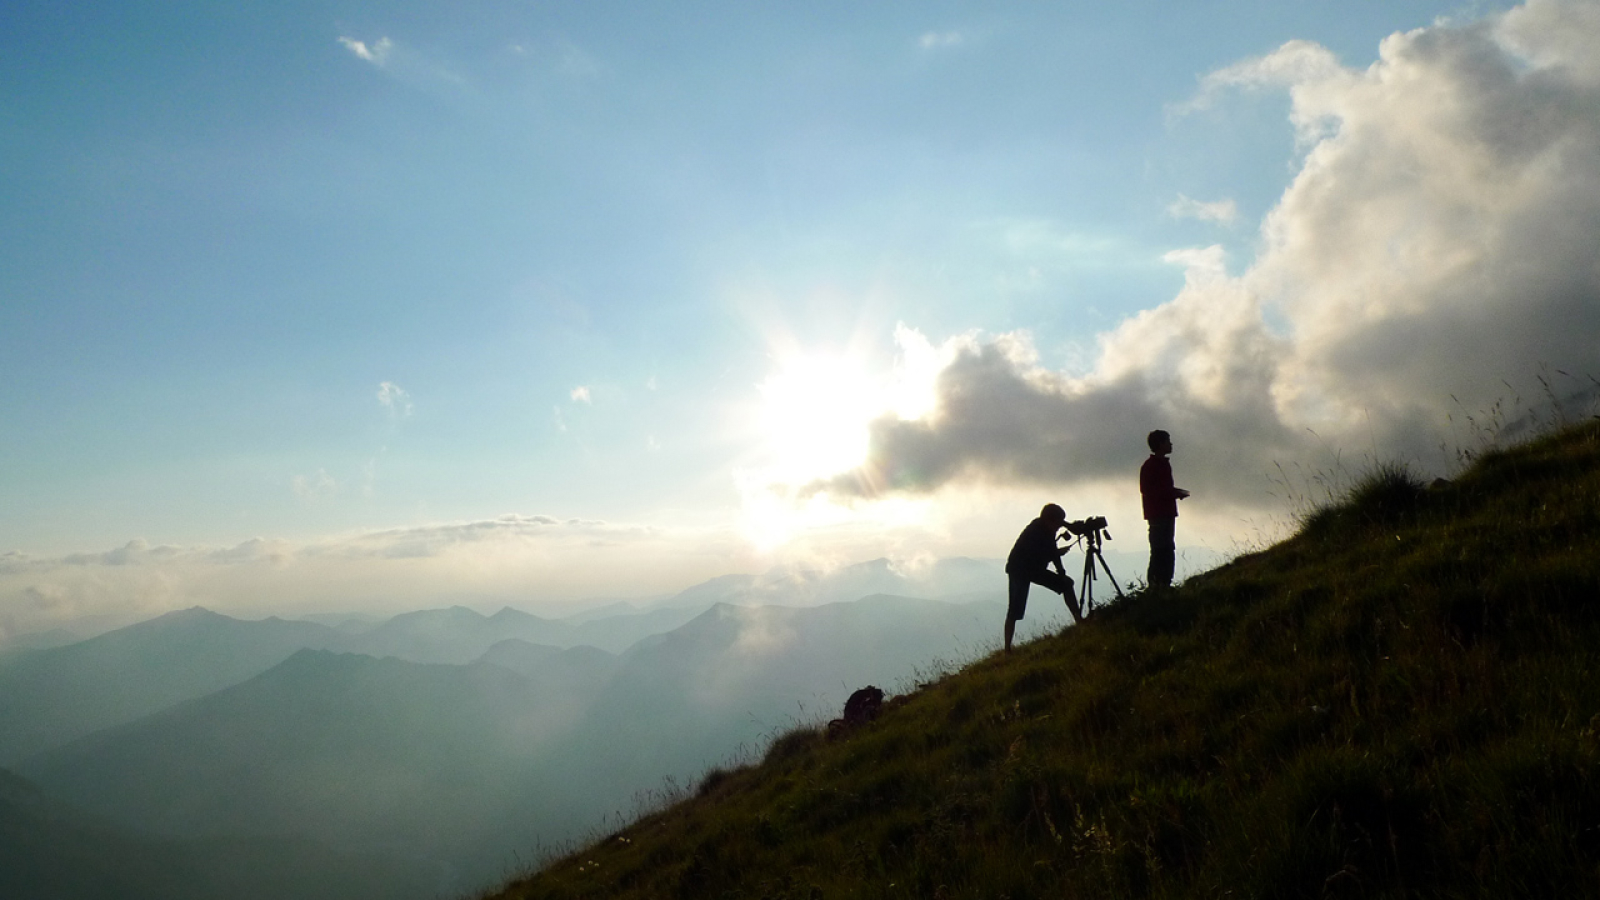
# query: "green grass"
[[1402, 700]]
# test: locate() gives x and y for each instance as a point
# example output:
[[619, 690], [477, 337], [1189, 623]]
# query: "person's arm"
[[1055, 551], [1175, 492]]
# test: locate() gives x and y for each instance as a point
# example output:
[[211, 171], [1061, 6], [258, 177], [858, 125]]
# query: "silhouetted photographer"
[[1030, 562]]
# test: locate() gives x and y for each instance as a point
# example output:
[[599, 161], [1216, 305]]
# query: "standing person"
[[1029, 564], [1160, 508]]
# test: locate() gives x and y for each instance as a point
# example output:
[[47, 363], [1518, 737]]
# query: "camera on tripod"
[[1091, 533], [1088, 526]]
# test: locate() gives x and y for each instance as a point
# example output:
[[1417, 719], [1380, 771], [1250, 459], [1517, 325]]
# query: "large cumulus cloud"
[[1435, 254]]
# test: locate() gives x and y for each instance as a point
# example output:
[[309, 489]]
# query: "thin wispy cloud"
[[315, 486], [940, 40], [1199, 263], [404, 63], [1051, 244], [580, 394], [560, 56], [377, 53], [1223, 211], [395, 400], [1297, 65]]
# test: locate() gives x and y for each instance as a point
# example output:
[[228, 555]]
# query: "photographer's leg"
[[1063, 585], [1016, 608], [1163, 552]]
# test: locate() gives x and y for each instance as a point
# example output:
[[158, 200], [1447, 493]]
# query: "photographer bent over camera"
[[1029, 564]]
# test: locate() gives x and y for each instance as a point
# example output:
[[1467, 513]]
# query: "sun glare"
[[814, 415], [816, 408], [813, 420]]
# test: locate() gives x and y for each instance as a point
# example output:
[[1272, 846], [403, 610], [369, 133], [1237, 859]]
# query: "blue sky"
[[297, 270]]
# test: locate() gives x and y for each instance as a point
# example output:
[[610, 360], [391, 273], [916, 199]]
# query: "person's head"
[[1159, 441], [1053, 513]]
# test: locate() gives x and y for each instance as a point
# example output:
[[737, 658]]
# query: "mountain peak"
[[192, 614]]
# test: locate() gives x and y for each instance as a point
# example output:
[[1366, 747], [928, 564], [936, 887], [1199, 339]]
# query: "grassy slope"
[[1401, 700]]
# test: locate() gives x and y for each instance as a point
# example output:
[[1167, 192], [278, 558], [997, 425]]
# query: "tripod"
[[1092, 540]]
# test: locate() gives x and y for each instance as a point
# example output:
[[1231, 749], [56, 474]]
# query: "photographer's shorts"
[[1049, 578]]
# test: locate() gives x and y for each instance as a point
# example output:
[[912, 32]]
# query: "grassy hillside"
[[1402, 700]]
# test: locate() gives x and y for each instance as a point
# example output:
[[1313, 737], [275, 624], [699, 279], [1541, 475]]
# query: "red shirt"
[[1155, 488]]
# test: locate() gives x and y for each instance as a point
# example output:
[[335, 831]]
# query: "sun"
[[814, 415], [817, 407], [812, 422]]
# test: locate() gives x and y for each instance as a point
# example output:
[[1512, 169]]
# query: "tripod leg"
[[1113, 578], [1088, 582]]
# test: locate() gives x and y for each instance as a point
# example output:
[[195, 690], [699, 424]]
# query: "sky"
[[317, 306]]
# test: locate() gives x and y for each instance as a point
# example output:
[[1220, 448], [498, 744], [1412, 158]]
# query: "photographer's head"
[[1053, 513], [1159, 441]]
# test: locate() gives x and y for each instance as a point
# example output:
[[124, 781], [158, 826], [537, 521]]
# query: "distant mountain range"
[[451, 740], [50, 697]]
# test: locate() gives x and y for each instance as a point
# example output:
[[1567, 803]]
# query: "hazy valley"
[[435, 750]]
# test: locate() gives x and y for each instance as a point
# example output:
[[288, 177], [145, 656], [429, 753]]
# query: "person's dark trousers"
[[1163, 554]]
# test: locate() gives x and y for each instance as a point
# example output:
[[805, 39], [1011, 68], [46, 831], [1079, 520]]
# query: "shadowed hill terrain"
[[1401, 700], [49, 851]]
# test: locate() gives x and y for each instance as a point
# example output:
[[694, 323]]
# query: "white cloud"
[[938, 40], [1224, 211], [1436, 246], [1199, 263], [405, 64], [580, 394], [1293, 64], [1309, 71], [1556, 36], [377, 53], [394, 399]]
